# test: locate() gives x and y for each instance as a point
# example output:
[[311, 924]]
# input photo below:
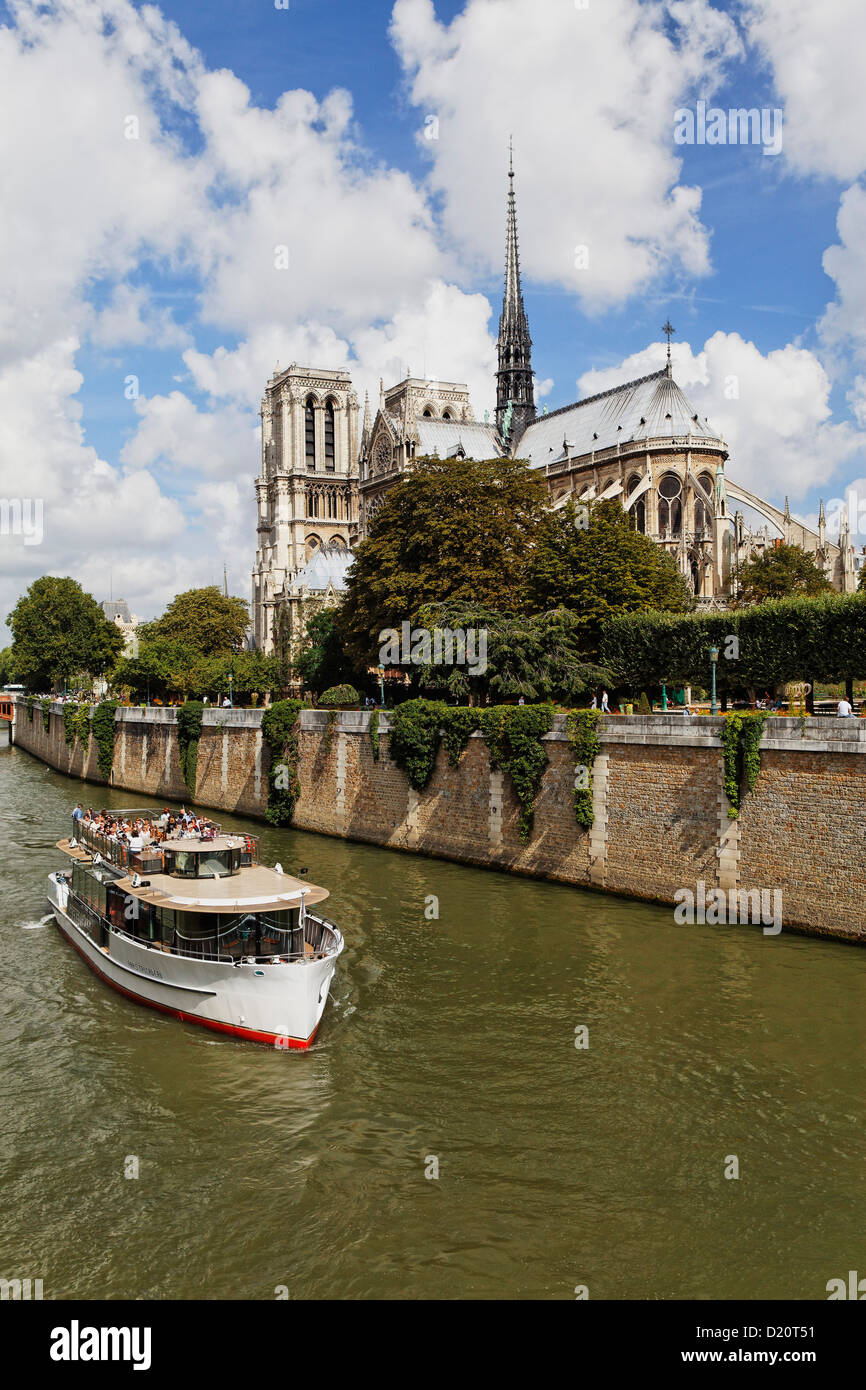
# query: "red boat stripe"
[[250, 1034]]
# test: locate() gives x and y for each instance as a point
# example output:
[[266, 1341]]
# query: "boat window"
[[215, 864], [183, 863]]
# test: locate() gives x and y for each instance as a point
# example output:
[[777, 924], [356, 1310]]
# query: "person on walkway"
[[843, 709], [594, 702], [605, 707]]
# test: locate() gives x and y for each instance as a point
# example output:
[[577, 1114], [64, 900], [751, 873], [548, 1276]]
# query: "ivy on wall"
[[30, 703], [585, 743], [103, 728], [280, 732], [76, 725], [741, 754], [514, 734], [374, 734], [189, 717], [46, 714]]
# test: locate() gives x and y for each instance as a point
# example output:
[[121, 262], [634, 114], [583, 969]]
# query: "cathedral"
[[643, 443]]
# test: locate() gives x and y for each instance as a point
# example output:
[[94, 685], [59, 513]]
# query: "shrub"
[[339, 695]]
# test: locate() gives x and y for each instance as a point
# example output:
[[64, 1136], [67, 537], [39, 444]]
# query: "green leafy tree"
[[323, 661], [787, 571], [8, 668], [204, 619], [599, 567], [450, 529], [164, 669], [538, 657], [60, 634]]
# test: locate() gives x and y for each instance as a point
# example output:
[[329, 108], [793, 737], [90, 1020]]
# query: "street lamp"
[[664, 692], [381, 673], [231, 701], [714, 656]]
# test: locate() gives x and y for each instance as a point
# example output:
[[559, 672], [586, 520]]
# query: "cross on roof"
[[668, 329]]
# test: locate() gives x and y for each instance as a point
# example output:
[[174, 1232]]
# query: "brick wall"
[[661, 819]]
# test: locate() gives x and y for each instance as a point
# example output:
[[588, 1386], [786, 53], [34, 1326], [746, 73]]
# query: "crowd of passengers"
[[142, 832]]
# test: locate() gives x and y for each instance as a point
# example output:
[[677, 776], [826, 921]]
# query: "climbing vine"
[[46, 714], [414, 738], [280, 732], [585, 743], [76, 724], [30, 703], [514, 736], [189, 717], [329, 730], [741, 754], [103, 727], [374, 734]]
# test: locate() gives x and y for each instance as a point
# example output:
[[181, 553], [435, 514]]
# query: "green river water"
[[453, 1039]]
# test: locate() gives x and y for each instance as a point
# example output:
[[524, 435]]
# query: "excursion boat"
[[199, 929]]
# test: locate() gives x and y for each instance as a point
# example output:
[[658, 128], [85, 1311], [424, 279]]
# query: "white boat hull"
[[278, 1004]]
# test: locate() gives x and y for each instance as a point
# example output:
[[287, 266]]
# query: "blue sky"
[[152, 261]]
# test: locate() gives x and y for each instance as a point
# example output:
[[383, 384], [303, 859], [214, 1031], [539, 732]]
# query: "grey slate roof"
[[444, 437], [647, 408], [328, 566], [116, 608]]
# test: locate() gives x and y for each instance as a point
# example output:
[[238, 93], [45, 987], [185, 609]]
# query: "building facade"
[[642, 443], [307, 491]]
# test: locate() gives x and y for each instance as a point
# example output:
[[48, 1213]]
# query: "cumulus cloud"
[[772, 409], [590, 96]]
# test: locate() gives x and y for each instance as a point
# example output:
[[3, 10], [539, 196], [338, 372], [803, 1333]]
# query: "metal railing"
[[151, 860]]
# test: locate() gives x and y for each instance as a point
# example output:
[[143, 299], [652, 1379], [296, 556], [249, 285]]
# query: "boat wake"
[[34, 926]]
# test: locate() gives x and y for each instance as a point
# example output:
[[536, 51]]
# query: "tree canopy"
[[450, 529], [322, 661], [783, 572], [60, 634], [591, 561], [207, 620]]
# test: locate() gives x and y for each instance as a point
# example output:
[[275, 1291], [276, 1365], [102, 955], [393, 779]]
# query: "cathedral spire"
[[514, 374]]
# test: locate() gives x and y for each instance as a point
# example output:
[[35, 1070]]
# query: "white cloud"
[[772, 409], [814, 53], [590, 96]]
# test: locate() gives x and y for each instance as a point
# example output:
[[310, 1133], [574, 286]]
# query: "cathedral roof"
[[327, 567], [649, 408], [446, 437]]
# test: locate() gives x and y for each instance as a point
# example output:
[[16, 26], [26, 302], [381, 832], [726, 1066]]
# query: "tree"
[[8, 669], [60, 634], [596, 566], [537, 657], [205, 619], [450, 529], [323, 661], [787, 571]]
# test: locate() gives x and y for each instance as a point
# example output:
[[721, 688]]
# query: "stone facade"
[[661, 820], [307, 491]]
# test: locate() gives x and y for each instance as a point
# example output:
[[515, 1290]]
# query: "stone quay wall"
[[661, 816]]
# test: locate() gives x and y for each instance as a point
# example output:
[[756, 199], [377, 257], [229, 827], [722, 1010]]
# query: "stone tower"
[[514, 373], [307, 492]]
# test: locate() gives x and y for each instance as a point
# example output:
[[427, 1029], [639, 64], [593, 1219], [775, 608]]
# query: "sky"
[[192, 193]]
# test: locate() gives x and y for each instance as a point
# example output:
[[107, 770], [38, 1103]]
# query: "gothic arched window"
[[639, 513], [670, 505], [330, 458], [310, 433]]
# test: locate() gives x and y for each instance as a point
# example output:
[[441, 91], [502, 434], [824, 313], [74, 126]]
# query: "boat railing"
[[150, 860]]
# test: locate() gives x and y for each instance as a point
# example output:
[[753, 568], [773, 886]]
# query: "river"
[[446, 1042]]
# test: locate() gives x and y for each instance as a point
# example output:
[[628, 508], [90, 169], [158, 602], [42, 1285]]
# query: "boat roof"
[[264, 890], [195, 845]]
